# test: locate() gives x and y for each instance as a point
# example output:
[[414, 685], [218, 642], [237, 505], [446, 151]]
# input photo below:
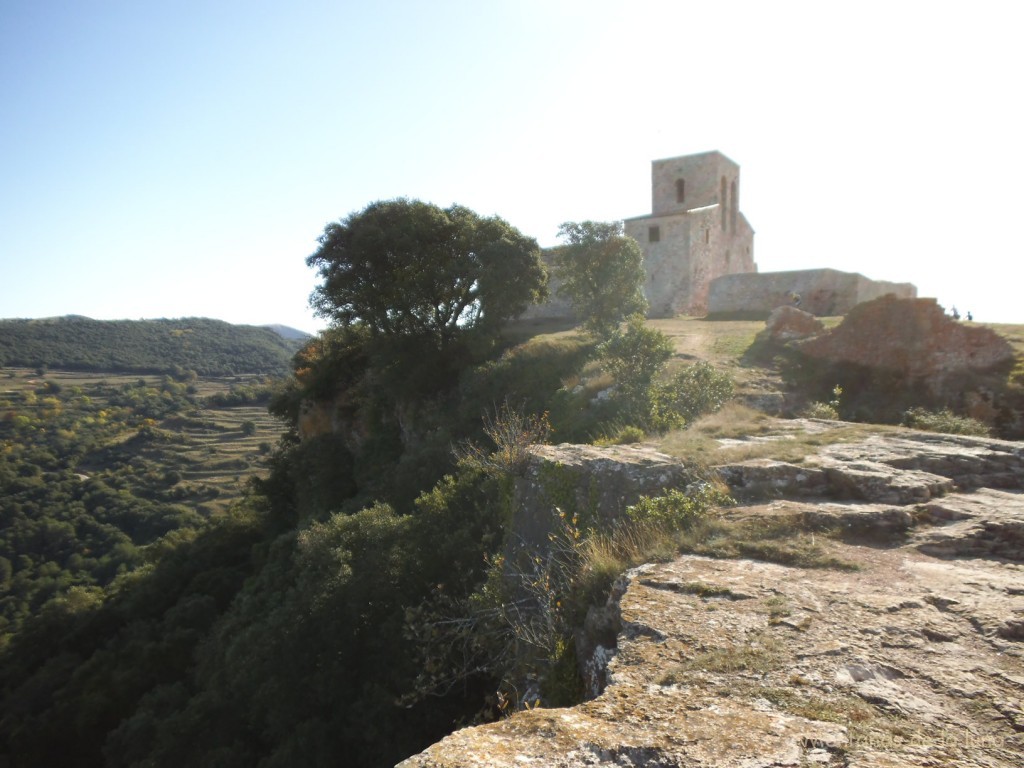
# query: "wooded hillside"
[[208, 347]]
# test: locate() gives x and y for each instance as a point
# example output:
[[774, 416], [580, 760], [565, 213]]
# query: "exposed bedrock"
[[914, 658]]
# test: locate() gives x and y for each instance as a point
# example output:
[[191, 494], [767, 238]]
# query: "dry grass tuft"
[[776, 540]]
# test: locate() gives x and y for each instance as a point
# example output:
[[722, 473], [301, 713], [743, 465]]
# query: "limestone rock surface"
[[601, 480], [914, 658]]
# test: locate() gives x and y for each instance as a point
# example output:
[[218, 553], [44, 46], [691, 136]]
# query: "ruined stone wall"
[[822, 292], [868, 290], [913, 337], [555, 308]]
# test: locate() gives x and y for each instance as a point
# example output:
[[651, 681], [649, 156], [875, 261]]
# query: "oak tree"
[[408, 268]]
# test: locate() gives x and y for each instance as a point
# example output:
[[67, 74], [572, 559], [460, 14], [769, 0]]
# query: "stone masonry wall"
[[702, 175], [667, 261], [822, 292]]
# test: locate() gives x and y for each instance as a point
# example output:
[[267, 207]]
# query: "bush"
[[678, 510], [694, 391], [512, 432], [944, 421], [820, 411], [829, 410], [519, 624], [636, 358]]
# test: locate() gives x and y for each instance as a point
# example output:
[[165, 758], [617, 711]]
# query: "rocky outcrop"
[[912, 655], [789, 323], [594, 483], [912, 338], [899, 467]]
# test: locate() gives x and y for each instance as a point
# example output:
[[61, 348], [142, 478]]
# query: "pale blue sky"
[[170, 159]]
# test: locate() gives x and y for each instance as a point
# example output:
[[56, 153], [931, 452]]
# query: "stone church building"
[[699, 253], [694, 233]]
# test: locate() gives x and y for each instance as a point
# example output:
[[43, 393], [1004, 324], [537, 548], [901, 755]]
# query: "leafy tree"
[[636, 357], [601, 272], [408, 268]]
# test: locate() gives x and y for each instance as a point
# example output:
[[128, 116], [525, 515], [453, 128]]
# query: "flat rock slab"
[[901, 663], [897, 468], [916, 658]]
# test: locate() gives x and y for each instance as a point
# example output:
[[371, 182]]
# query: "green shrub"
[[636, 358], [694, 391], [944, 421], [829, 410], [820, 411], [678, 510]]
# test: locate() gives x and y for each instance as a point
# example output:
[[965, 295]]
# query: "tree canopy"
[[408, 268], [601, 272]]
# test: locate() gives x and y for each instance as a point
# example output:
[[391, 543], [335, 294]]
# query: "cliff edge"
[[904, 647]]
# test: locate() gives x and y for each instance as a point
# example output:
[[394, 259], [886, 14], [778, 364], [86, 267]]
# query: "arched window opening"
[[654, 234], [734, 206], [680, 190], [722, 201]]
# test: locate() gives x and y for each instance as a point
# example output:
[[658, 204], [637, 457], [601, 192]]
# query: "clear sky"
[[173, 159]]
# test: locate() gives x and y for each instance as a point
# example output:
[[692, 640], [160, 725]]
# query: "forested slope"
[[349, 609], [208, 347]]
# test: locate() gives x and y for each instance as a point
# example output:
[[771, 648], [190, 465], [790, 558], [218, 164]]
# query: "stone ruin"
[[821, 292], [699, 253]]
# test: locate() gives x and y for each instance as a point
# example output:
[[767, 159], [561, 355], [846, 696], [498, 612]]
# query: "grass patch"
[[778, 608], [738, 433], [776, 540], [734, 420], [760, 655], [734, 345], [831, 709]]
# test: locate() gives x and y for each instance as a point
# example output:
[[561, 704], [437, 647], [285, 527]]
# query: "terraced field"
[[200, 453]]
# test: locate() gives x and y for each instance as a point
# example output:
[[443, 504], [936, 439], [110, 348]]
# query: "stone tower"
[[695, 232]]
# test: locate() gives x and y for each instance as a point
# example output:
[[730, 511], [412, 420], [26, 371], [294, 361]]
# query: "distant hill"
[[287, 332], [208, 347]]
